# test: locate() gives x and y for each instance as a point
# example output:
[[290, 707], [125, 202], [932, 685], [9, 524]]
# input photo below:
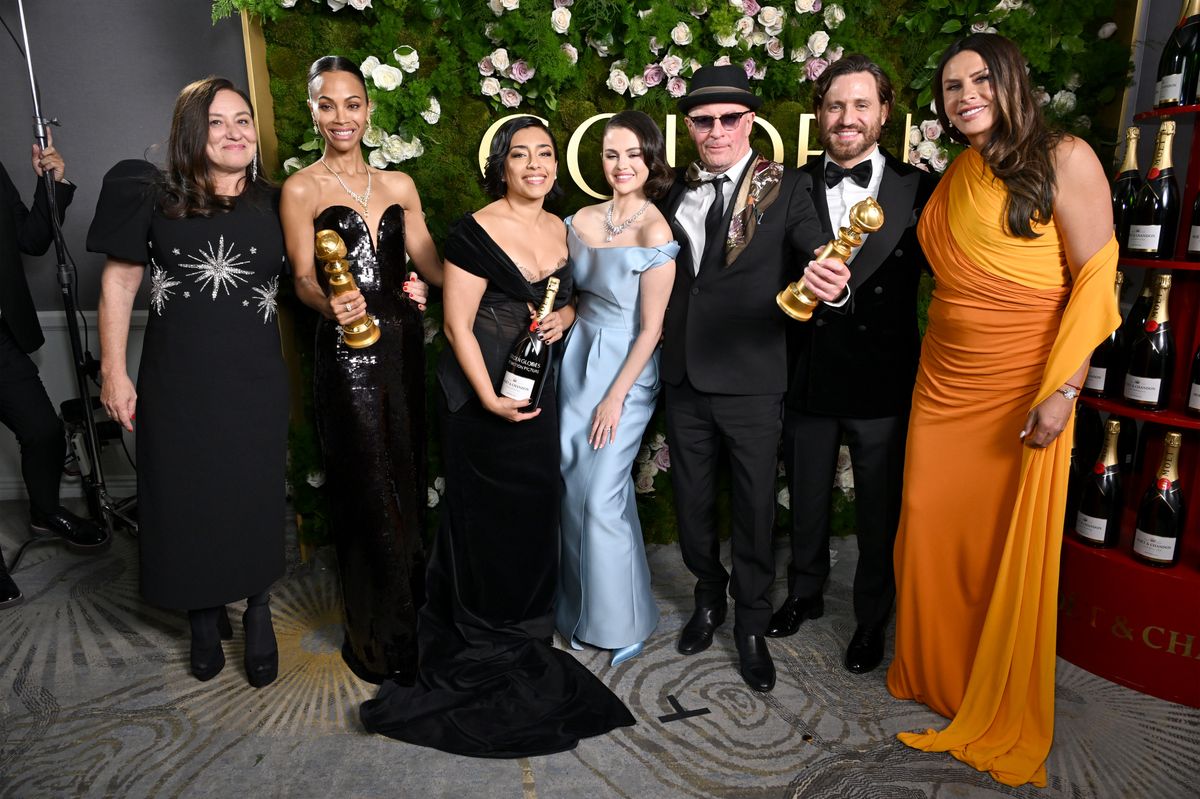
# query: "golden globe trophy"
[[362, 332], [798, 300]]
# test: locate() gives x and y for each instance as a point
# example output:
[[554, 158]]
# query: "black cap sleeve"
[[121, 226]]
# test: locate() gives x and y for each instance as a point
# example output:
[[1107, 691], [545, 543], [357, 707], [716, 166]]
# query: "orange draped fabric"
[[977, 553]]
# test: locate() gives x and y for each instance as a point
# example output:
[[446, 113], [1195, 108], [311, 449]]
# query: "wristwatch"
[[1070, 392]]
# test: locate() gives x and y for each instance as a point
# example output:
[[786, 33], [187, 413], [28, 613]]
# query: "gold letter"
[[1187, 646], [485, 146], [573, 155], [802, 151], [776, 139], [1146, 636]]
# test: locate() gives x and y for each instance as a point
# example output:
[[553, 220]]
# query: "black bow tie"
[[860, 174]]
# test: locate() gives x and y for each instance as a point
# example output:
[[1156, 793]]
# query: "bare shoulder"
[[590, 213], [398, 184], [1075, 160], [301, 188], [554, 224], [655, 231]]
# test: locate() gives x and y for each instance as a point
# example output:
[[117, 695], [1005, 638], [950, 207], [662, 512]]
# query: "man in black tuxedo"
[[747, 226], [853, 372], [25, 408]]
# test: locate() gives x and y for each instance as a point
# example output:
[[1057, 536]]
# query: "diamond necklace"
[[361, 199], [616, 230]]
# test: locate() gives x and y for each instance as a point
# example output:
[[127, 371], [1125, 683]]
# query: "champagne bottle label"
[[516, 387], [1142, 389], [1144, 238], [1194, 397], [1169, 89], [1090, 527], [1095, 378], [1154, 547], [1194, 240]]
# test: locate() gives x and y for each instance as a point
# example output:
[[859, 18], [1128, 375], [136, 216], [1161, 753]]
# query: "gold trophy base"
[[795, 302], [360, 334]]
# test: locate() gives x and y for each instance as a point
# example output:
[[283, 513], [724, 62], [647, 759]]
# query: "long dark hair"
[[654, 150], [334, 63], [1021, 149], [493, 171], [187, 189]]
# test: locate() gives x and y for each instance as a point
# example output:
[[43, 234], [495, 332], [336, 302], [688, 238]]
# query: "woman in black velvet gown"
[[489, 683], [370, 402]]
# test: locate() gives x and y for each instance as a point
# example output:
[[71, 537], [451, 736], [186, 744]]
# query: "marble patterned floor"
[[96, 701]]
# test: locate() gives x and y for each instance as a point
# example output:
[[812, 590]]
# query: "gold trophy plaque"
[[362, 332], [797, 300]]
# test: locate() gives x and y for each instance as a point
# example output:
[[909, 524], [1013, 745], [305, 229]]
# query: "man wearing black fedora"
[[748, 227]]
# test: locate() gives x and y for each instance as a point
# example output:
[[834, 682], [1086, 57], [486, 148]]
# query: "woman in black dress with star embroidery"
[[211, 398], [370, 402]]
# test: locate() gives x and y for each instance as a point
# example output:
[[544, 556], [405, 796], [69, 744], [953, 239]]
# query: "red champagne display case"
[[1136, 624]]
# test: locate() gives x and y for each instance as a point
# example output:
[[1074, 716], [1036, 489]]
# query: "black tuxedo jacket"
[[861, 361], [723, 330], [23, 230]]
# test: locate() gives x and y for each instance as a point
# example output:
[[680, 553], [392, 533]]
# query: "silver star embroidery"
[[187, 294], [218, 267], [245, 303], [254, 251], [267, 294], [160, 287], [175, 251]]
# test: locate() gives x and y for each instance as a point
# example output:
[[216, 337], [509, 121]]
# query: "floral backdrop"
[[440, 72]]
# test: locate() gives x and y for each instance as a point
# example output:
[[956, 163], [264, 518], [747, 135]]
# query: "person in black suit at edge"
[[25, 408], [747, 226], [853, 373]]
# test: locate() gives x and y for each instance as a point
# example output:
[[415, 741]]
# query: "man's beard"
[[850, 151]]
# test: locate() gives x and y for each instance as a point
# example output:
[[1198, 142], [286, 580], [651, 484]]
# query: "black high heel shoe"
[[207, 656], [262, 651]]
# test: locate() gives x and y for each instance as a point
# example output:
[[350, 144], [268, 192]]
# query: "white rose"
[[293, 163], [373, 136], [337, 5], [510, 98], [489, 31], [805, 6], [618, 81], [572, 53], [927, 149], [818, 42], [834, 16], [439, 483], [799, 55], [681, 34], [654, 45], [315, 479], [637, 86], [560, 19], [499, 59], [1084, 122], [940, 160], [377, 159], [412, 149], [738, 4], [1042, 96], [931, 129], [1063, 102], [834, 54], [510, 5], [1073, 81], [770, 17], [759, 37], [387, 77], [657, 442], [433, 113], [432, 328], [1106, 30], [644, 484], [287, 3], [360, 5], [723, 61], [490, 87], [432, 498], [914, 136], [643, 455], [744, 27], [495, 6], [368, 66], [393, 149], [784, 498], [726, 39], [408, 58], [672, 65], [775, 48]]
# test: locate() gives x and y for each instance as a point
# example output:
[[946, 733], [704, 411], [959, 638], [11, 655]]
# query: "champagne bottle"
[[1148, 380], [1089, 434], [1098, 521], [1127, 446], [1176, 83], [1105, 355], [1125, 188], [1193, 403], [1160, 516], [1193, 247], [529, 359], [1155, 216]]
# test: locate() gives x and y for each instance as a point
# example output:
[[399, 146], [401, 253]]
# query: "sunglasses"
[[704, 122]]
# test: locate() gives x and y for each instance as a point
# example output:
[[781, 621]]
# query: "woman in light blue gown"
[[624, 260]]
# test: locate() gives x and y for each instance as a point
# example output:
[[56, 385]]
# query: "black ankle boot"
[[262, 652], [207, 656]]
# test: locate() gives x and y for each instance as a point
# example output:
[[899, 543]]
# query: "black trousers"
[[26, 409], [810, 445], [698, 425]]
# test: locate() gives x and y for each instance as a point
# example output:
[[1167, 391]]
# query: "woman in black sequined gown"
[[370, 402]]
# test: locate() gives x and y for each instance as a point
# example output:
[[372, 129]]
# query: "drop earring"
[[316, 130], [254, 168]]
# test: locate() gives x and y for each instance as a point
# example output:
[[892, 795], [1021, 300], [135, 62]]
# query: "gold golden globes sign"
[[798, 300], [362, 332]]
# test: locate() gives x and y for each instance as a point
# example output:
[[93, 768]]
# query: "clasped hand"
[[827, 278]]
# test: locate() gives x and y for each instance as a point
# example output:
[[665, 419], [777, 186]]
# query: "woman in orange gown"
[[1019, 235]]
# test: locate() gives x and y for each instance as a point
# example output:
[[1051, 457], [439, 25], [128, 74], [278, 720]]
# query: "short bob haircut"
[[333, 63], [493, 172], [660, 176]]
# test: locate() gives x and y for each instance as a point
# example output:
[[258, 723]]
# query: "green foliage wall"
[[445, 70]]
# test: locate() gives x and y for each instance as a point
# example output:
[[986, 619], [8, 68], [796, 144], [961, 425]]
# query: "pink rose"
[[749, 66], [750, 8], [486, 68], [510, 98], [563, 3], [672, 65], [814, 67], [572, 53], [662, 458], [653, 74], [677, 87], [521, 71], [644, 484], [723, 61]]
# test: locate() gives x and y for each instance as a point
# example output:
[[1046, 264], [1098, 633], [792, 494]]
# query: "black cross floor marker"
[[680, 713]]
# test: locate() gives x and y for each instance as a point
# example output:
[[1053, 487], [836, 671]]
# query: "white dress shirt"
[[693, 208], [842, 197]]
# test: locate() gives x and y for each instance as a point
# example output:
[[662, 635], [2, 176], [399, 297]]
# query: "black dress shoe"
[[9, 593], [866, 648], [79, 534], [697, 634], [262, 652], [754, 662], [207, 657], [795, 609]]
